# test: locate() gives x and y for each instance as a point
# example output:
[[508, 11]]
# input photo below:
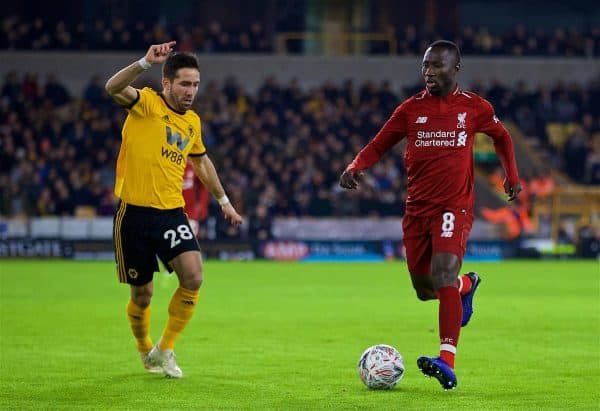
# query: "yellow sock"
[[181, 308], [139, 319]]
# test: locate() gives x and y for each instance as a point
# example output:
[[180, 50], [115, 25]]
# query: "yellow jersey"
[[156, 141]]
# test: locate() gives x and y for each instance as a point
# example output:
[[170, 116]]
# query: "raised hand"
[[158, 53]]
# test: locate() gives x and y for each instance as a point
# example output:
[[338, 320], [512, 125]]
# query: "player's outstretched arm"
[[206, 172], [118, 86]]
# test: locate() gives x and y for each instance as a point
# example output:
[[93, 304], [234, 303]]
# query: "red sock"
[[464, 284], [450, 317]]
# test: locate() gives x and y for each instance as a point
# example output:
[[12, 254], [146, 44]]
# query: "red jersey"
[[439, 154], [195, 195]]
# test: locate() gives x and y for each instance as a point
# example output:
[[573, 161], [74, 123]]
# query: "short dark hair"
[[177, 61], [447, 45]]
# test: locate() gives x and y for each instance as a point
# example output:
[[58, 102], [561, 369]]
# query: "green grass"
[[288, 336]]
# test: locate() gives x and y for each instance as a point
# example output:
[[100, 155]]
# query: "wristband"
[[223, 200], [144, 63]]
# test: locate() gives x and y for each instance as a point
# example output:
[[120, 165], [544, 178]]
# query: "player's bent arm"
[[118, 86], [206, 172]]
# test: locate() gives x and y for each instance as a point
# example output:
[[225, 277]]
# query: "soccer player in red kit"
[[195, 196], [439, 124]]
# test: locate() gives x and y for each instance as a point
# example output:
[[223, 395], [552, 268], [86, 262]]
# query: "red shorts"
[[446, 232]]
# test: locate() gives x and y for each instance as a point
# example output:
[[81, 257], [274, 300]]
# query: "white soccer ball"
[[381, 367]]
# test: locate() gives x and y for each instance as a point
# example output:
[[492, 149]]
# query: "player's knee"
[[142, 295], [445, 271], [444, 278], [196, 283], [193, 282], [142, 300]]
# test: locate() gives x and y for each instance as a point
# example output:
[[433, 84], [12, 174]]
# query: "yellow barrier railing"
[[580, 202], [337, 43]]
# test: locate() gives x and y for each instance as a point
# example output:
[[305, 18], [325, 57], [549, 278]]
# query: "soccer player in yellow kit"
[[159, 134]]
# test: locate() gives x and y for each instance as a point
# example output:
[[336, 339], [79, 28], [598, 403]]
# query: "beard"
[[179, 103]]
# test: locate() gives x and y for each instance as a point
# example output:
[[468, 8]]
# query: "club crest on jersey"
[[462, 117], [190, 131]]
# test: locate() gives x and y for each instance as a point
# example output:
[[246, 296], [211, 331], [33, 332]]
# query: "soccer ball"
[[381, 367]]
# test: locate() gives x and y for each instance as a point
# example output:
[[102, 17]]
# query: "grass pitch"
[[288, 336]]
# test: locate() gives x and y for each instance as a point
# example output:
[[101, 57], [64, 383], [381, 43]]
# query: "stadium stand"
[[118, 33]]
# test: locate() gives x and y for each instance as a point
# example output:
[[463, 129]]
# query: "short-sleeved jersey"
[[156, 142], [439, 154]]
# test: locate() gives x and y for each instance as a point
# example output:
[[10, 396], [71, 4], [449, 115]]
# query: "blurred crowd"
[[537, 110], [116, 33], [519, 41], [281, 148], [17, 33]]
